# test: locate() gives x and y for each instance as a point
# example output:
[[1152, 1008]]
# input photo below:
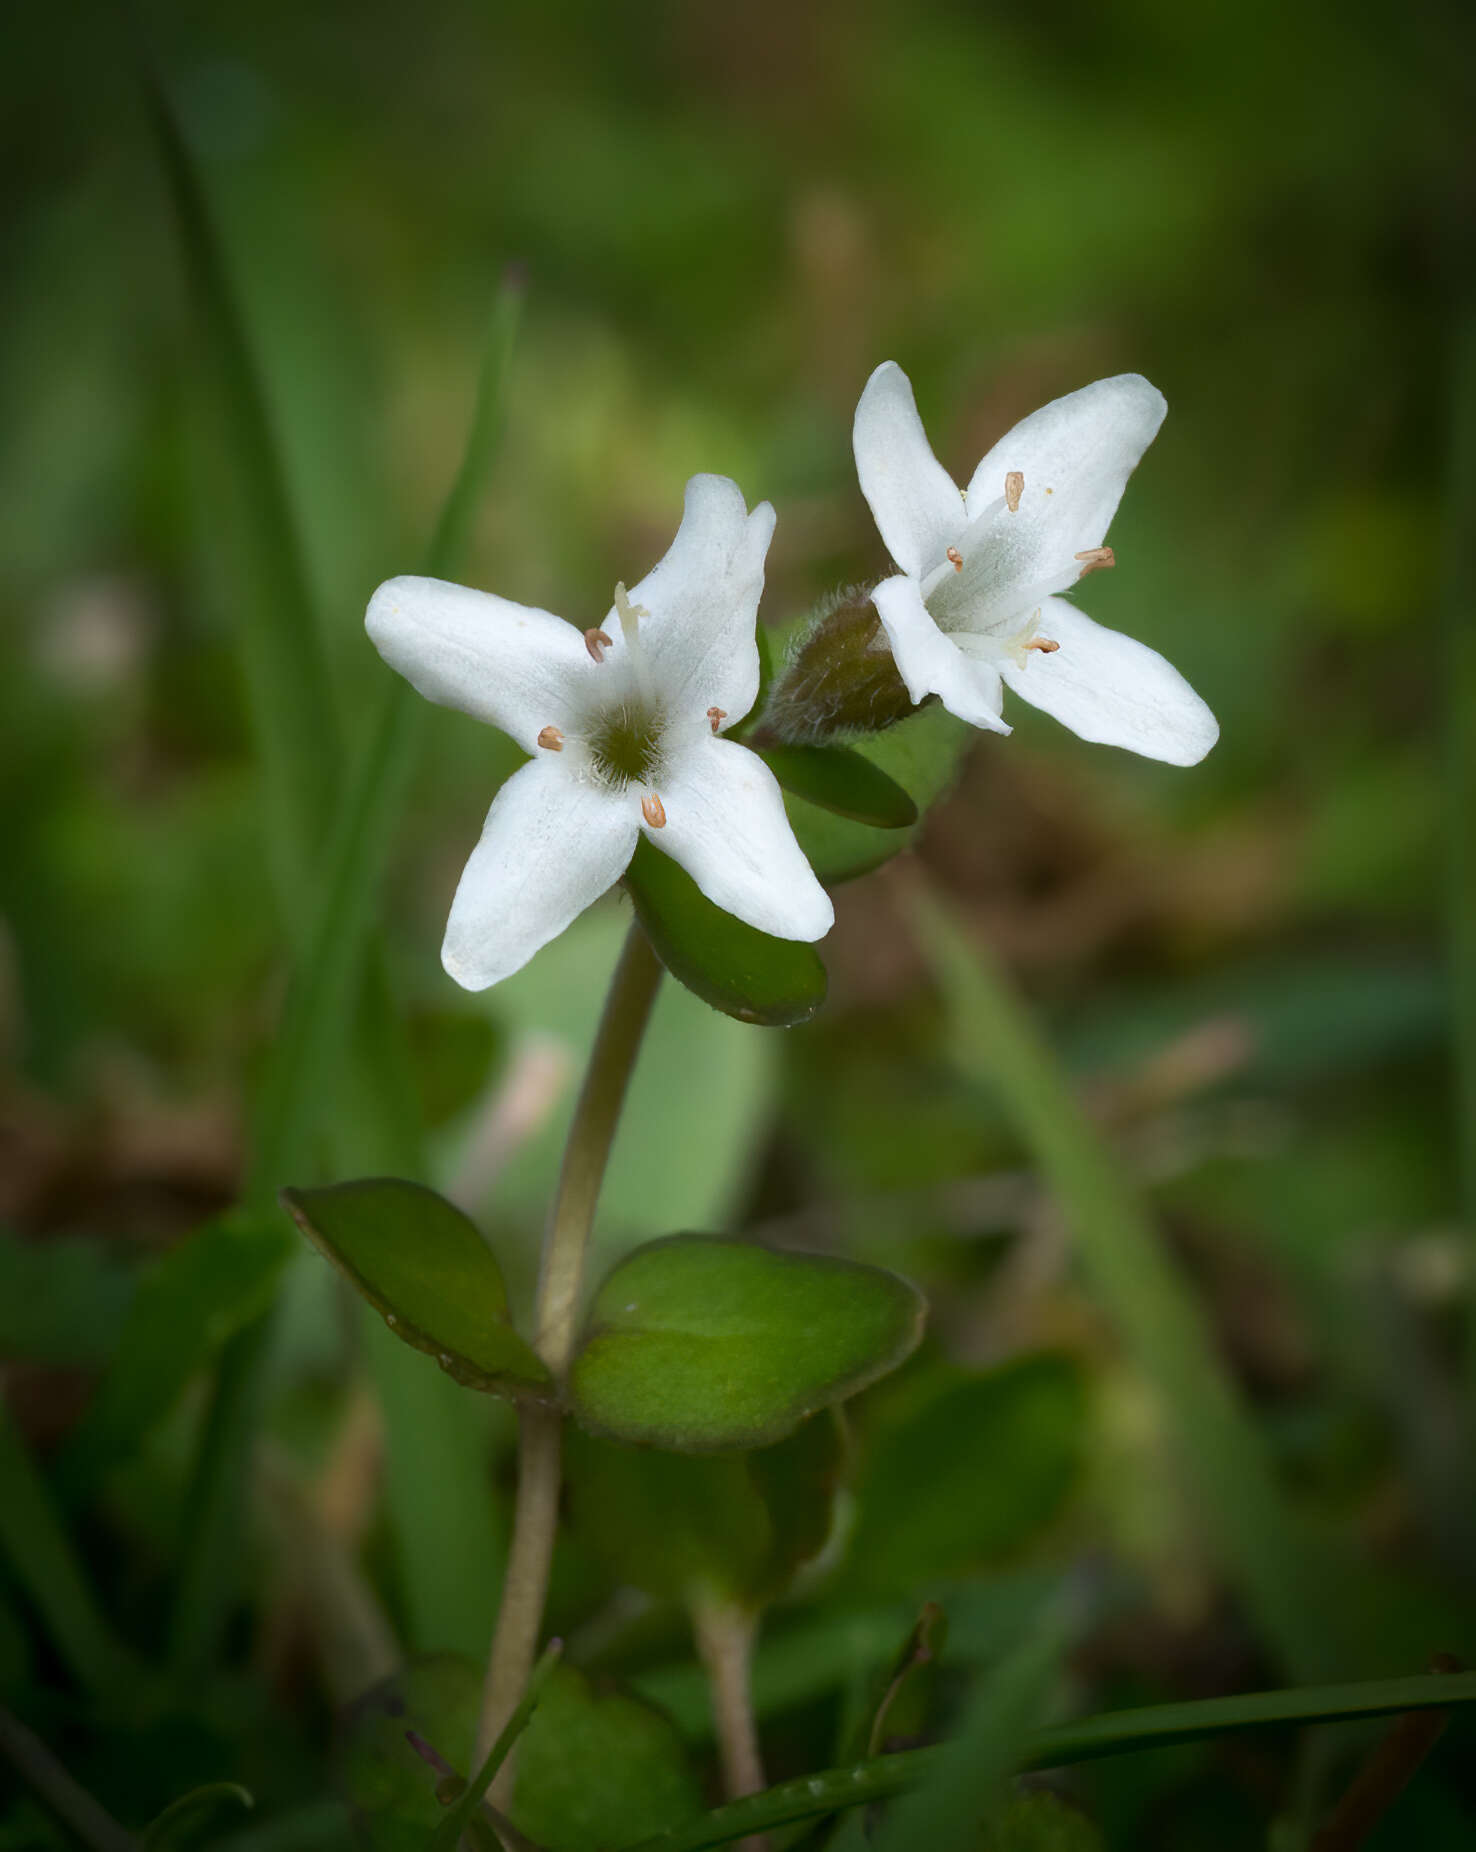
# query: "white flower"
[[974, 603], [624, 726]]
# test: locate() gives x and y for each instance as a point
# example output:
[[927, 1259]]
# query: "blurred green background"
[[726, 217]]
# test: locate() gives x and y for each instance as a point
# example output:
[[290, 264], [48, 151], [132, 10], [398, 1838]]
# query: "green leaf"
[[735, 968], [679, 1526], [699, 1343], [390, 1789], [185, 1307], [598, 1769], [466, 1811], [921, 756], [969, 1477], [187, 1821], [426, 1270], [839, 779]]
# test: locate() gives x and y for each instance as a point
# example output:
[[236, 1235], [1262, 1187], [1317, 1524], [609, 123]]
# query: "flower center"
[[624, 741]]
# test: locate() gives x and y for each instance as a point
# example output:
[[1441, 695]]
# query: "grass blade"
[[996, 1043], [35, 1542], [972, 1769], [1157, 1726]]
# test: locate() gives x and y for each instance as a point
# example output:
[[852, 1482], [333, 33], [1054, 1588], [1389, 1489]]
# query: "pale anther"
[[596, 642], [654, 811], [1096, 559], [715, 717], [1014, 489], [1045, 645], [551, 739], [955, 559]]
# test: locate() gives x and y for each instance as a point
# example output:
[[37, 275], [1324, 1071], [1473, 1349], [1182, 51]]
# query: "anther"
[[551, 740], [1014, 489], [654, 811], [716, 716], [1046, 645], [955, 559], [596, 642], [1096, 559]]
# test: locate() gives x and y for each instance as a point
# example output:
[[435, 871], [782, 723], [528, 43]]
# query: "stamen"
[[955, 559], [551, 740], [716, 716], [1046, 645], [596, 642], [1014, 489], [654, 811], [1096, 559]]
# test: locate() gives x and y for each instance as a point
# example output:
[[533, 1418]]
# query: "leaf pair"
[[695, 1343]]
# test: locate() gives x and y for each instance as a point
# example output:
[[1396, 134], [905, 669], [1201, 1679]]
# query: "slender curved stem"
[[591, 1133], [725, 1645]]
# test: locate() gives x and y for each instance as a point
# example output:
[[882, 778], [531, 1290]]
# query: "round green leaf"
[[701, 1344], [737, 969], [839, 779], [426, 1270], [599, 1768]]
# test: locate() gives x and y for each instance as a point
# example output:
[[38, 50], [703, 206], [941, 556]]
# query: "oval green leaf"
[[840, 779], [700, 1343], [426, 1270], [196, 1819], [735, 968]]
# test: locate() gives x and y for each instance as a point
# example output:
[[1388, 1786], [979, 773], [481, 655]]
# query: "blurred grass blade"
[[34, 1541], [1157, 1726], [973, 1767], [996, 1044], [1460, 756], [85, 1819], [302, 1059], [291, 707]]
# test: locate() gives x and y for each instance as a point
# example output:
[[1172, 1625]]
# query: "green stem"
[[591, 1133]]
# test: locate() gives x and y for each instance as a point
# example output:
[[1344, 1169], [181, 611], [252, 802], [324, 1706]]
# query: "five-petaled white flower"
[[624, 724], [974, 604]]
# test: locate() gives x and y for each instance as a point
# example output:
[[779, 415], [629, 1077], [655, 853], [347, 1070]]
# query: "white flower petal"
[[550, 846], [726, 825], [509, 664], [702, 599], [932, 663], [1075, 455], [1109, 688], [914, 500]]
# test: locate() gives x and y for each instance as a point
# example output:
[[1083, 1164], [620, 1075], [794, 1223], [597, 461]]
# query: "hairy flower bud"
[[839, 677]]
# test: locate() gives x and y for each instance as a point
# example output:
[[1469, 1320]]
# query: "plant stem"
[[591, 1133], [725, 1646]]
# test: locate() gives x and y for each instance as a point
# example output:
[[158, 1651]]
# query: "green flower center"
[[625, 744]]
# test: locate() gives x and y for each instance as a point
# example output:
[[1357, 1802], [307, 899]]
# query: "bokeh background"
[[725, 218]]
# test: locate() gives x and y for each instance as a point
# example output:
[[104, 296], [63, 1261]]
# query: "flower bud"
[[839, 677]]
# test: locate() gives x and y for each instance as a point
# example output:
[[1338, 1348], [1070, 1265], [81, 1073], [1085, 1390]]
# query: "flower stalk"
[[632, 993]]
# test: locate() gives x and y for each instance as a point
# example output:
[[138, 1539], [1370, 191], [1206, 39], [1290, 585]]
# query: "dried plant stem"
[[520, 1615]]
